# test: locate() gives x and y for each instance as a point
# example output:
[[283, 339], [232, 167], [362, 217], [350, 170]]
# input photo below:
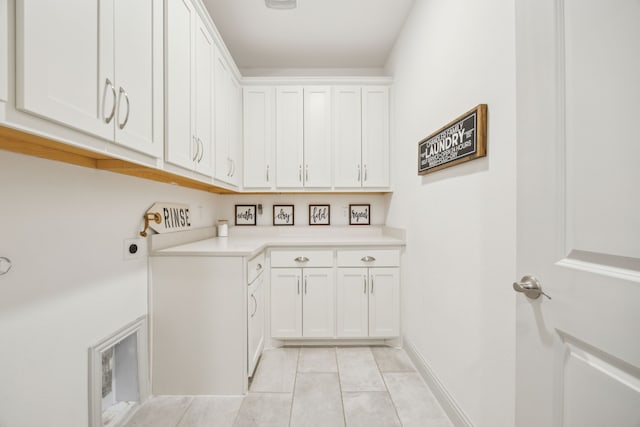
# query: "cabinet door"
[[317, 137], [384, 302], [138, 74], [181, 147], [289, 137], [375, 137], [347, 137], [57, 74], [204, 102], [235, 133], [222, 91], [259, 128], [352, 302], [286, 303], [318, 303], [255, 321]]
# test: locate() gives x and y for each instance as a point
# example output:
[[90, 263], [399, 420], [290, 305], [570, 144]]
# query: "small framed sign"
[[245, 215], [459, 141], [283, 215], [359, 215], [319, 214]]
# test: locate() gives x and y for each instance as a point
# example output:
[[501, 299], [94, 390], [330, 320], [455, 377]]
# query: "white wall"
[[458, 305], [63, 227]]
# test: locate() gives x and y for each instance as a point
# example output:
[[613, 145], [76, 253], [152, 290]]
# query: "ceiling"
[[317, 34]]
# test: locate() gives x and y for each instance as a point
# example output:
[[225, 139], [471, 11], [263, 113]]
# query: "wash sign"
[[459, 141]]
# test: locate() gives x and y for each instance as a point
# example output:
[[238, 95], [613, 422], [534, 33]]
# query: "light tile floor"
[[312, 386]]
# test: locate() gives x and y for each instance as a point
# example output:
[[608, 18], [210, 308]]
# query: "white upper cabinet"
[[101, 74], [347, 137], [303, 137], [375, 137], [189, 89], [227, 119], [259, 136], [289, 137], [317, 137]]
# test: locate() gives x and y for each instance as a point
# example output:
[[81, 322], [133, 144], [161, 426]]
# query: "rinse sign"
[[462, 140], [173, 217]]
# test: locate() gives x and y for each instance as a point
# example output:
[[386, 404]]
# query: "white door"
[[137, 71], [286, 302], [289, 137], [384, 302], [203, 92], [57, 74], [317, 137], [222, 118], [318, 302], [259, 128], [578, 212], [347, 137], [352, 302], [235, 133], [255, 321], [181, 145], [375, 136]]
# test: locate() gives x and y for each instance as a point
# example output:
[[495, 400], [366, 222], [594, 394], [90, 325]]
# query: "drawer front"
[[369, 258], [302, 258], [255, 266]]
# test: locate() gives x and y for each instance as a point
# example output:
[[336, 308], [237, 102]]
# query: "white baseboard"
[[448, 403]]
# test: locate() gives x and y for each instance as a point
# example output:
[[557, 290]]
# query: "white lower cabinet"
[[358, 299], [302, 302]]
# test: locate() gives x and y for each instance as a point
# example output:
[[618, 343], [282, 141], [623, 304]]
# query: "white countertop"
[[245, 245]]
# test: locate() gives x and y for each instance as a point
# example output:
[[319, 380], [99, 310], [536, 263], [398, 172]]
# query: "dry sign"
[[462, 140]]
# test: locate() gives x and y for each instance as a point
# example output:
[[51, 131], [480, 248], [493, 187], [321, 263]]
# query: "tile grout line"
[[395, 408], [344, 414], [191, 399], [295, 381]]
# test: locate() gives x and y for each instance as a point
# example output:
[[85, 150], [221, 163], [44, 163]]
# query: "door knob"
[[530, 286]]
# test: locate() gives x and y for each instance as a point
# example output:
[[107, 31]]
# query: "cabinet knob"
[[301, 259], [367, 258]]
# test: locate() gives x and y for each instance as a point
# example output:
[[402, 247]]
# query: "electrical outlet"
[[134, 249]]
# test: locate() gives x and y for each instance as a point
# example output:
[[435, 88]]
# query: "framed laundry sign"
[[245, 215], [360, 214], [283, 215], [461, 140]]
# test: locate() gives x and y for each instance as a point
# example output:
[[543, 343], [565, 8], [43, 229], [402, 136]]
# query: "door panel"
[[384, 302], [317, 137], [347, 137], [286, 303], [204, 100], [289, 137], [375, 137], [180, 146], [578, 354], [259, 122], [137, 43], [57, 74], [352, 303], [318, 302]]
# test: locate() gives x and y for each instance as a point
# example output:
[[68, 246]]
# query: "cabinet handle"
[[298, 286], [365, 173], [300, 173], [201, 145], [228, 167], [233, 167], [197, 148], [371, 285], [108, 84], [306, 173], [301, 259], [267, 173], [367, 258], [126, 99], [255, 305], [359, 173], [364, 279], [259, 267]]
